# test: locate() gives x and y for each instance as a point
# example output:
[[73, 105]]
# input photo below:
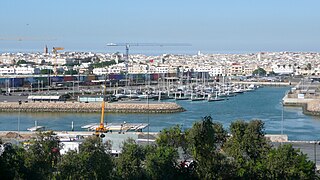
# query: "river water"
[[263, 104]]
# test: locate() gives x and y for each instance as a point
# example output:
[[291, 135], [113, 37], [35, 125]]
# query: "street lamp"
[[282, 118], [19, 118], [41, 86], [31, 89], [38, 86], [148, 104], [315, 151], [73, 89]]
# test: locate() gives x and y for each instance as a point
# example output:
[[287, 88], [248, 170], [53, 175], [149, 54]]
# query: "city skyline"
[[210, 26]]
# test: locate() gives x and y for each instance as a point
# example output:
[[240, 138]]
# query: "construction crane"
[[102, 128], [55, 50], [26, 39], [128, 45]]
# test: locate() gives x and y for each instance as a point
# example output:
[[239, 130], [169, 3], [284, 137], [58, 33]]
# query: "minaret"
[[45, 51]]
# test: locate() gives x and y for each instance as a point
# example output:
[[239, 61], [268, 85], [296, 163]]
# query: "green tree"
[[259, 72], [104, 64], [42, 156], [71, 72], [129, 165], [162, 164], [71, 166], [21, 62], [12, 162], [247, 146], [172, 137], [309, 66], [285, 162], [92, 162], [205, 139], [46, 71]]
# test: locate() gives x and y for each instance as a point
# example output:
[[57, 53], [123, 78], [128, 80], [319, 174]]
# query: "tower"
[[45, 51]]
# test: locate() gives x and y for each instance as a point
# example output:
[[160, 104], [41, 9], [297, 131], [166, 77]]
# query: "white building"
[[283, 68], [7, 70], [27, 70], [162, 69], [216, 71], [99, 71], [19, 70], [137, 69]]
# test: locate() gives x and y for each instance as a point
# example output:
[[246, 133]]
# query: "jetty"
[[305, 94], [92, 107]]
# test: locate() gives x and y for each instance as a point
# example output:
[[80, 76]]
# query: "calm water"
[[263, 104]]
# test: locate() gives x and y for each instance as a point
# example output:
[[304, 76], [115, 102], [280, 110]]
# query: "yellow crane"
[[55, 50], [102, 128]]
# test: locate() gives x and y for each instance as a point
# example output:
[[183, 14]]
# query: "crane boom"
[[101, 128], [58, 48], [54, 50]]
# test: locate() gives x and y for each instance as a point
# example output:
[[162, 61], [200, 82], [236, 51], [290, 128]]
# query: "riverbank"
[[123, 107]]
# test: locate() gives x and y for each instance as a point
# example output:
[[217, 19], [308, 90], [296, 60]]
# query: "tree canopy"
[[259, 72], [46, 71], [205, 151], [104, 64]]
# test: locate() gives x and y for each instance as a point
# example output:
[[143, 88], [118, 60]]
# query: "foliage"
[[162, 163], [259, 72], [42, 156], [205, 139], [12, 162], [172, 137], [92, 162], [46, 71], [129, 165], [70, 72], [245, 154], [71, 166], [104, 64], [21, 62], [248, 146], [285, 162], [309, 66]]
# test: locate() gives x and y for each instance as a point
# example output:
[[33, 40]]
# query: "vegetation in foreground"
[[205, 151]]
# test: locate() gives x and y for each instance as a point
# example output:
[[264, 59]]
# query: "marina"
[[263, 103]]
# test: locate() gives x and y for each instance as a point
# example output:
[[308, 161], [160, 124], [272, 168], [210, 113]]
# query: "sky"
[[210, 26]]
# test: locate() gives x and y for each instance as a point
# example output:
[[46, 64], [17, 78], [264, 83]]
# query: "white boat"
[[216, 98], [36, 128]]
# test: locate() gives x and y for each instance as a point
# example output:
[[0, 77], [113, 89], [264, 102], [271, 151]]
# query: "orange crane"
[[54, 50], [101, 128]]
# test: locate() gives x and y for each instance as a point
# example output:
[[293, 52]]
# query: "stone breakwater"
[[312, 108], [90, 107]]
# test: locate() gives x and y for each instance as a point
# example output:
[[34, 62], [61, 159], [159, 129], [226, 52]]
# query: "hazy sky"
[[209, 25]]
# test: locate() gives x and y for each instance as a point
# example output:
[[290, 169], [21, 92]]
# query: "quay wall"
[[312, 108], [265, 83], [309, 106], [295, 101], [90, 107]]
